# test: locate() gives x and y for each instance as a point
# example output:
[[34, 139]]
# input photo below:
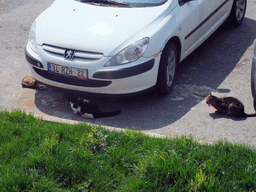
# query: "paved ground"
[[221, 64]]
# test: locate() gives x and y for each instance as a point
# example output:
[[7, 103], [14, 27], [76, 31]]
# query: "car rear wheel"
[[167, 69], [237, 13]]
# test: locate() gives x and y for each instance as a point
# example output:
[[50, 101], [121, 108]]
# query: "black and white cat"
[[88, 108]]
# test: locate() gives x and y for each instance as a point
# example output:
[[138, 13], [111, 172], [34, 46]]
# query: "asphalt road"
[[222, 64]]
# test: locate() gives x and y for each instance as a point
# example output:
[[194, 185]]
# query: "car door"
[[206, 12], [189, 18], [211, 13], [222, 8], [200, 18]]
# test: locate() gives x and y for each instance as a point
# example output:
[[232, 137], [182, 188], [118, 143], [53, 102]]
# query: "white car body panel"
[[105, 31], [210, 24]]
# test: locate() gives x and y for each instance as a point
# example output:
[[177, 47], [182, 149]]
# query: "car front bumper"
[[130, 78]]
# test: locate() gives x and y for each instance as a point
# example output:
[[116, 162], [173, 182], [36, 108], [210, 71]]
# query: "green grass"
[[37, 155]]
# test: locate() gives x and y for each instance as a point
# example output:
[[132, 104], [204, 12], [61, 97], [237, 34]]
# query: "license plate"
[[70, 71]]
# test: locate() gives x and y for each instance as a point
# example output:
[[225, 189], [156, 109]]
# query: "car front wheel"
[[167, 69]]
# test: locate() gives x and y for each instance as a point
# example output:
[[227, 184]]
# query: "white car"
[[124, 46]]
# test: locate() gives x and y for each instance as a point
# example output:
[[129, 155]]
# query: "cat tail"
[[107, 114]]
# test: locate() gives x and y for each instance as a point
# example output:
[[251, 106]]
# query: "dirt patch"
[[24, 100], [242, 64], [28, 104], [198, 93]]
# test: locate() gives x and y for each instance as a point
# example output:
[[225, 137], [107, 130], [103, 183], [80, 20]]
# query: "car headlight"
[[131, 53], [32, 38]]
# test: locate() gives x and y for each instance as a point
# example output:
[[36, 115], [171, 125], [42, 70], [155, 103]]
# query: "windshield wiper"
[[110, 2]]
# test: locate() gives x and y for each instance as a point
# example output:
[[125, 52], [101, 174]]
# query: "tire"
[[253, 80], [167, 69], [237, 13]]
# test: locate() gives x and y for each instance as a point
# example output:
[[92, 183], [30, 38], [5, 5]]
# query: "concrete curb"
[[73, 122]]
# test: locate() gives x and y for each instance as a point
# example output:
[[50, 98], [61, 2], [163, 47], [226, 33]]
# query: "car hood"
[[81, 26]]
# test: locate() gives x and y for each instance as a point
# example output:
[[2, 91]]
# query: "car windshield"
[[127, 3]]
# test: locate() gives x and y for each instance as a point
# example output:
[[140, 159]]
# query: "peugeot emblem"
[[69, 54]]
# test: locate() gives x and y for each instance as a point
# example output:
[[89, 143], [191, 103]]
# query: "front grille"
[[71, 80], [58, 51]]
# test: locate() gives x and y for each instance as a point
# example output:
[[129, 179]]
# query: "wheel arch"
[[163, 85], [177, 42]]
